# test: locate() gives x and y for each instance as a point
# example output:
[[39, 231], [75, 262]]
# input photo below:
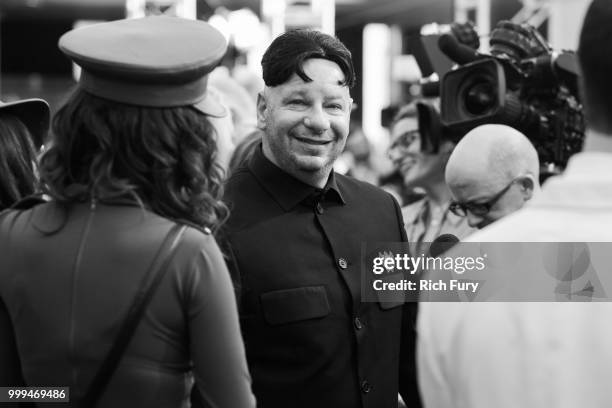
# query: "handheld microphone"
[[460, 53], [442, 244]]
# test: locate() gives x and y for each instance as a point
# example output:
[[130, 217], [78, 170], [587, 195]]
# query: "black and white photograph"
[[306, 203]]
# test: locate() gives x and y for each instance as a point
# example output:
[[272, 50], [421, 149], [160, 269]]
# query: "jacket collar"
[[286, 190]]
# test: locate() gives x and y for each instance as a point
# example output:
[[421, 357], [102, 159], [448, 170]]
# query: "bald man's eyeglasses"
[[478, 209]]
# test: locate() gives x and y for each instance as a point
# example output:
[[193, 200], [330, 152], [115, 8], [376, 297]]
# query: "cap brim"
[[35, 115], [211, 106]]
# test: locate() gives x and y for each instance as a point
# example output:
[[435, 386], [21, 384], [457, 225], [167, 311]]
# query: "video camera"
[[522, 83]]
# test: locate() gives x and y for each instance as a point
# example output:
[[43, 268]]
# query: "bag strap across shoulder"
[[150, 282]]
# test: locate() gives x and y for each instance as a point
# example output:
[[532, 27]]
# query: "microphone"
[[460, 53], [442, 244]]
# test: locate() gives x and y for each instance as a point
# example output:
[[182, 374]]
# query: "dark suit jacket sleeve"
[[230, 261], [10, 367], [11, 373], [408, 386]]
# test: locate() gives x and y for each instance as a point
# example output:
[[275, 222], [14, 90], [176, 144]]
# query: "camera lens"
[[480, 98], [473, 94]]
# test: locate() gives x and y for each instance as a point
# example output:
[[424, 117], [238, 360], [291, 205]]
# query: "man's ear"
[[262, 106], [527, 184], [447, 146], [446, 149]]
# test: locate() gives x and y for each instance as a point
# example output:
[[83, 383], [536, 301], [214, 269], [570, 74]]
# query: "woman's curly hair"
[[164, 157], [18, 178]]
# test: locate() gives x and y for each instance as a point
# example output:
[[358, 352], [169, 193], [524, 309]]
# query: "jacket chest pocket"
[[295, 304]]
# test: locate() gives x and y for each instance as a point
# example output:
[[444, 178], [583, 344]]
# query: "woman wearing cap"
[[132, 157], [23, 125]]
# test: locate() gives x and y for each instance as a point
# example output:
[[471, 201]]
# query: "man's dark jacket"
[[295, 253]]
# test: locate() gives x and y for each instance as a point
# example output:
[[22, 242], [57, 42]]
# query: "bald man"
[[491, 173]]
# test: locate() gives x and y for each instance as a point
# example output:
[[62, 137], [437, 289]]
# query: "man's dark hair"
[[287, 53], [163, 157], [595, 56], [17, 161]]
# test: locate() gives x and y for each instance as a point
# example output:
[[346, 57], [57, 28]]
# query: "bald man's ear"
[[527, 185], [262, 106]]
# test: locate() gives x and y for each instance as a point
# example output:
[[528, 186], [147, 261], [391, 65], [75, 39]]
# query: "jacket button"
[[342, 263], [320, 209], [358, 323], [366, 387]]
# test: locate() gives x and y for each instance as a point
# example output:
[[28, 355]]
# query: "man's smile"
[[311, 141]]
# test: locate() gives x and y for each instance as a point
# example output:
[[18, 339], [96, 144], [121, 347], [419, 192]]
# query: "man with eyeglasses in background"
[[492, 172], [421, 160]]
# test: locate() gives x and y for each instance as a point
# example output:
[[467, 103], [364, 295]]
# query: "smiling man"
[[295, 237], [492, 172], [307, 121]]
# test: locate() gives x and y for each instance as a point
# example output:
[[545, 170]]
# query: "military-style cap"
[[33, 113], [155, 61]]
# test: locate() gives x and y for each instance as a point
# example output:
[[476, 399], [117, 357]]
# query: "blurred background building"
[[380, 33]]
